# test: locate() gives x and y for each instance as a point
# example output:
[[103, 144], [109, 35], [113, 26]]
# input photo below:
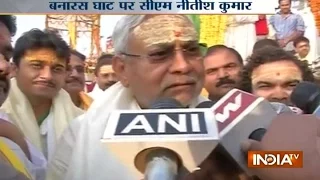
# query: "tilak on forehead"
[[160, 29], [106, 69], [276, 73], [44, 55]]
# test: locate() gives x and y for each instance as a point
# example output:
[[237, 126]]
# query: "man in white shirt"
[[37, 104], [105, 76], [155, 56]]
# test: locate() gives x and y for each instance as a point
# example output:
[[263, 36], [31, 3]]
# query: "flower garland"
[[315, 9], [212, 29]]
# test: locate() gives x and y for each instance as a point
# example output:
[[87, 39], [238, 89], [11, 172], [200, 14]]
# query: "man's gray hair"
[[122, 30]]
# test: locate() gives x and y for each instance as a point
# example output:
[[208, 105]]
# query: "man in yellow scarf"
[[36, 103], [75, 81]]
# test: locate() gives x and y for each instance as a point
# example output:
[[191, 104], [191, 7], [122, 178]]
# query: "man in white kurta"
[[241, 33], [36, 103], [160, 58]]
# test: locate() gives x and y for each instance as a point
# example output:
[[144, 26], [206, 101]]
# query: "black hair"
[[268, 55], [264, 43], [213, 49], [104, 59], [10, 22], [36, 39], [78, 54], [279, 1], [299, 40]]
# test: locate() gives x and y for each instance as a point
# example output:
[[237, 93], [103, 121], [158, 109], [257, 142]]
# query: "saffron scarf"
[[86, 100]]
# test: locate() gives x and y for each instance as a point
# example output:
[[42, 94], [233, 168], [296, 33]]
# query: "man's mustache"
[[224, 81], [110, 83], [3, 78], [74, 79]]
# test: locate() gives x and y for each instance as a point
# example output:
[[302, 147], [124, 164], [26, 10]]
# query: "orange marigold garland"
[[315, 9]]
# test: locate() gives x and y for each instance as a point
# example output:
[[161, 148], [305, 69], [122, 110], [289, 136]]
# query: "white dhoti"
[[241, 34]]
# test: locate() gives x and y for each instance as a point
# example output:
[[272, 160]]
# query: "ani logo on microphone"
[[161, 123], [275, 159]]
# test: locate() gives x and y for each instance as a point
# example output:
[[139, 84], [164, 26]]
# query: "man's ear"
[[119, 67], [13, 69]]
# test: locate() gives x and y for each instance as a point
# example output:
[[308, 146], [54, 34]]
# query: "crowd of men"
[[51, 125]]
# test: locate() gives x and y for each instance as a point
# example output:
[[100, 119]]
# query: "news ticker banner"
[[118, 7]]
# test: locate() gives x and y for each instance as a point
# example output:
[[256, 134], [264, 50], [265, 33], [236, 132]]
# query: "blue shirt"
[[285, 26]]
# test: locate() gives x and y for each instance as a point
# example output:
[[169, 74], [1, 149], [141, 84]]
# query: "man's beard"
[[4, 85]]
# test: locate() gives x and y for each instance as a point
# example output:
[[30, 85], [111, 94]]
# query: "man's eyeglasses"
[[190, 53]]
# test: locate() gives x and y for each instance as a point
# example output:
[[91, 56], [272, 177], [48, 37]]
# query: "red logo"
[[232, 107]]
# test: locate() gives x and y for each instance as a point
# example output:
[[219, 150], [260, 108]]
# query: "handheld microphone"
[[162, 163], [159, 143], [306, 96], [240, 116], [282, 108]]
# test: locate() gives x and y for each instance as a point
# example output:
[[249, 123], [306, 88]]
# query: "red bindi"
[[177, 33]]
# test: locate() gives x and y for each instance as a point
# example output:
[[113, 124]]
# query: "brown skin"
[[4, 81], [5, 42], [40, 82], [5, 55], [11, 132], [218, 166], [105, 80], [159, 77], [290, 132], [303, 49], [75, 80], [276, 87], [177, 73], [7, 129], [222, 73]]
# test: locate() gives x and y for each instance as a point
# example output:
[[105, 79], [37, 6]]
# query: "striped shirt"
[[285, 26]]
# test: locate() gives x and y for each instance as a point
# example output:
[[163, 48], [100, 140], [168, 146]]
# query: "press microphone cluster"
[[160, 142], [239, 116]]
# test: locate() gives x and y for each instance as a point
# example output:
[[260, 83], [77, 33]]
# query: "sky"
[[28, 22]]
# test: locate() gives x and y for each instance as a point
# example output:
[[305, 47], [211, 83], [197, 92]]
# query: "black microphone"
[[206, 104], [306, 96], [166, 103]]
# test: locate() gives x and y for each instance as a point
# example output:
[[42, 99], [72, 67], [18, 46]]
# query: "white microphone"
[[160, 143], [240, 116]]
